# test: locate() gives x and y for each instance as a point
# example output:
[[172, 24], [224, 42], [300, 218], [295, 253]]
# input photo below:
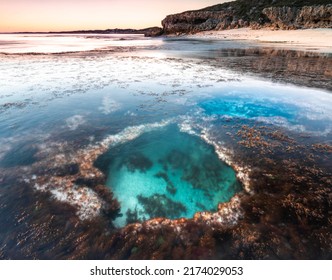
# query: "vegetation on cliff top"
[[261, 4], [253, 9]]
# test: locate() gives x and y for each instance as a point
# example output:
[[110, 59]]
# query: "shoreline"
[[313, 40]]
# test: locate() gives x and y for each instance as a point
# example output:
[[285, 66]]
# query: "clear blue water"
[[49, 100], [247, 108], [167, 173]]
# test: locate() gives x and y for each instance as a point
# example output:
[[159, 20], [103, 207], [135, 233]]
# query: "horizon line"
[[78, 30]]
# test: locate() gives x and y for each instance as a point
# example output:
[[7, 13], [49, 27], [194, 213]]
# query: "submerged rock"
[[138, 162], [164, 173], [159, 205]]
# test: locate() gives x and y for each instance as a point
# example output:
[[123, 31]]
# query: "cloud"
[[75, 121], [109, 106]]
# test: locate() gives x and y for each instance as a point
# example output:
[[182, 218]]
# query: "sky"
[[62, 15]]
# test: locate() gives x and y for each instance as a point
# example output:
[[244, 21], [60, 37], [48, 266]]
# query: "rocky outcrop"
[[152, 32], [192, 22], [254, 14], [305, 17]]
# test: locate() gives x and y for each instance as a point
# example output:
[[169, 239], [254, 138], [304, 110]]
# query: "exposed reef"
[[254, 14], [286, 216], [304, 68]]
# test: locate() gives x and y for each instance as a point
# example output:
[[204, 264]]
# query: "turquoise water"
[[167, 173], [247, 108]]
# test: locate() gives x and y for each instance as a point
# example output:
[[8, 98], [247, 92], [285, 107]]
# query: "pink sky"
[[57, 15]]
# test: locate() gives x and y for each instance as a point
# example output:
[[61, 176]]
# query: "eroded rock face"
[[233, 15], [305, 17], [196, 21]]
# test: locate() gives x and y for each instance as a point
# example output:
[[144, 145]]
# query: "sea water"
[[105, 85], [167, 173]]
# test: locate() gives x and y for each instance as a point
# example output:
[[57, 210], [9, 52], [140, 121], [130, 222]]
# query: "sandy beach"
[[319, 40]]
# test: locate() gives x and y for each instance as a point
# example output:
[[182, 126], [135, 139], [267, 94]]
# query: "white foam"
[[132, 132], [187, 128]]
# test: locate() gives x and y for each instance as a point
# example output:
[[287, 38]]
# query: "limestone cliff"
[[305, 17], [256, 14]]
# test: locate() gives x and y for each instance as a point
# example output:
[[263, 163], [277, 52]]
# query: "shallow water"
[[62, 43], [167, 173], [157, 116]]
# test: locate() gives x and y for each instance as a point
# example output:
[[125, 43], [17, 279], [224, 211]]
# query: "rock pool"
[[163, 148]]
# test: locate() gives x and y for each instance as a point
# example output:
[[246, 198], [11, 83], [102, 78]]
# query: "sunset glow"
[[61, 15]]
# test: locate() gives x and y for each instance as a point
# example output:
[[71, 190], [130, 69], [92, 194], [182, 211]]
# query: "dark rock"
[[153, 32], [169, 184], [159, 205], [68, 169], [171, 189], [138, 161], [132, 216]]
